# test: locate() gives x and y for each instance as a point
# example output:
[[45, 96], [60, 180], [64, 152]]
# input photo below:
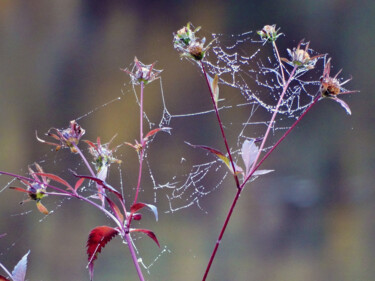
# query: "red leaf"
[[55, 178], [41, 208], [149, 234], [153, 132], [90, 143], [138, 206], [221, 156], [97, 240], [101, 183], [19, 189], [116, 210], [2, 278], [78, 183]]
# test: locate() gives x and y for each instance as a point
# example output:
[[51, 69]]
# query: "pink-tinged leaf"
[[55, 178], [2, 235], [101, 183], [344, 105], [262, 172], [153, 132], [19, 271], [215, 88], [149, 234], [103, 172], [78, 183], [97, 240], [42, 208], [91, 144], [138, 206], [137, 216], [2, 278], [116, 210], [221, 156], [249, 152], [19, 189]]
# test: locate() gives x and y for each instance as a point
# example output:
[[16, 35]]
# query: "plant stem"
[[317, 98], [134, 256], [279, 60], [142, 142], [84, 160], [270, 125], [239, 190], [221, 126]]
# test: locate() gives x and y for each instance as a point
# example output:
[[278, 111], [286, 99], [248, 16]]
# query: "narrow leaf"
[[262, 172], [55, 178], [97, 240], [138, 206], [344, 105], [91, 144], [101, 183], [2, 235], [249, 152], [221, 156], [19, 271], [78, 183], [19, 189], [215, 89], [116, 210], [42, 208], [153, 132], [149, 234]]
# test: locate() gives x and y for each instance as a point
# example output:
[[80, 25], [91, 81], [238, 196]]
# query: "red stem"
[[142, 142], [221, 126], [256, 166]]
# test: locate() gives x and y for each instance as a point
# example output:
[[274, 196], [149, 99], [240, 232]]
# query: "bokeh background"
[[312, 219]]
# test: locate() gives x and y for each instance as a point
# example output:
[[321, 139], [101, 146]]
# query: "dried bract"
[[331, 87], [190, 46], [68, 138], [103, 156], [269, 33], [300, 57], [143, 73]]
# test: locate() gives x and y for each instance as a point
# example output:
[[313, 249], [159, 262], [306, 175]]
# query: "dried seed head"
[[300, 57], [269, 33], [190, 46]]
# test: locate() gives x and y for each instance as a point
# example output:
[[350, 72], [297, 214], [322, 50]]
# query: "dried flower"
[[68, 137], [190, 46], [269, 33], [35, 190], [301, 58], [103, 156], [143, 73], [330, 87]]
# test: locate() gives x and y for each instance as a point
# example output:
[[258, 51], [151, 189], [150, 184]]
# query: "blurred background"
[[312, 219]]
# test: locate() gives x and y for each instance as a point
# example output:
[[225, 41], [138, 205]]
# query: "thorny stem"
[[142, 142], [240, 188], [221, 126]]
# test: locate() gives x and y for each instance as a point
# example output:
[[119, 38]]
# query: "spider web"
[[250, 82]]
